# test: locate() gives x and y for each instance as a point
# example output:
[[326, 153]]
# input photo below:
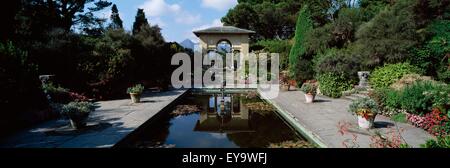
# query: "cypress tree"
[[297, 55], [116, 22], [140, 20]]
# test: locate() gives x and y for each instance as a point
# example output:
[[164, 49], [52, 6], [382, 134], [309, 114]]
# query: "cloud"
[[188, 18], [214, 23], [159, 7], [220, 5], [157, 21], [156, 9], [190, 35]]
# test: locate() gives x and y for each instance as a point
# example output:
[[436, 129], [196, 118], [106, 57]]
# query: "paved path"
[[320, 120], [109, 124]]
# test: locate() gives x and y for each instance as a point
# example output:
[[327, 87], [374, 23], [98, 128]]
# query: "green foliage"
[[422, 96], [37, 16], [319, 39], [435, 52], [423, 59], [77, 110], [309, 88], [371, 8], [51, 88], [332, 84], [440, 142], [392, 99], [270, 19], [364, 104], [116, 22], [345, 26], [281, 47], [400, 117], [137, 89], [304, 71], [20, 88], [432, 55], [336, 61], [242, 16], [298, 50], [140, 21], [338, 34], [385, 76], [389, 36]]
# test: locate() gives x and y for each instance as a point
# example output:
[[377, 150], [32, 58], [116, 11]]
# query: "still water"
[[215, 121]]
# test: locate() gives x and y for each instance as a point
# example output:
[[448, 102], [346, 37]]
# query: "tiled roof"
[[223, 30]]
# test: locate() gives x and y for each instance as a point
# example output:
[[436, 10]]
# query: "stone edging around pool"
[[292, 121], [309, 135], [296, 125]]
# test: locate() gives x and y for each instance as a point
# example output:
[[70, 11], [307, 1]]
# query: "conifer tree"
[[298, 51], [140, 21], [116, 22]]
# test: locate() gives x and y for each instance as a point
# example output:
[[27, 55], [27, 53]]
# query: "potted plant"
[[135, 93], [284, 81], [310, 91], [77, 113], [366, 109]]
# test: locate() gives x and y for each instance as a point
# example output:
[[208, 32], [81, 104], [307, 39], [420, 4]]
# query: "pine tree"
[[116, 22], [298, 51], [140, 20]]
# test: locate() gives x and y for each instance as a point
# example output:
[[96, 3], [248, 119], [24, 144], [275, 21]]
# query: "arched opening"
[[224, 46]]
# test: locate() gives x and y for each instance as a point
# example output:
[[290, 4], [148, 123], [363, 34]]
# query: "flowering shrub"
[[78, 97], [392, 139], [416, 120], [436, 122], [62, 95]]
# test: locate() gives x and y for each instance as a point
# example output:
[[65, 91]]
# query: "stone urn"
[[135, 97], [366, 122], [363, 79], [309, 98], [284, 87]]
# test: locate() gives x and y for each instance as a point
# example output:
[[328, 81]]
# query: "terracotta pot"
[[366, 123], [77, 124], [284, 87], [309, 98], [135, 97]]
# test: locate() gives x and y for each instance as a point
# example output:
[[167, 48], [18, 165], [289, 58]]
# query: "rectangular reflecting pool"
[[217, 121]]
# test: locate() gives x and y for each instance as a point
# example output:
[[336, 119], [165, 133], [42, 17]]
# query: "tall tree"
[[69, 12], [299, 65], [242, 16], [389, 36], [140, 21], [116, 22], [38, 17], [8, 12]]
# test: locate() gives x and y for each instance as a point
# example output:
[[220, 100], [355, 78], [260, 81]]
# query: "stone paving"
[[114, 120], [320, 120], [109, 124]]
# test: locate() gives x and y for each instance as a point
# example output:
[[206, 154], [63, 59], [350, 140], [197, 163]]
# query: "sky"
[[177, 18]]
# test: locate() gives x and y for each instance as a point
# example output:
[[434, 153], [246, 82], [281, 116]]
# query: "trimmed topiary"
[[332, 84]]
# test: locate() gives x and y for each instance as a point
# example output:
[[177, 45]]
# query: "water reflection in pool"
[[219, 121]]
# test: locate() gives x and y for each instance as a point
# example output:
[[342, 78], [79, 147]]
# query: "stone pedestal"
[[363, 79], [45, 79]]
